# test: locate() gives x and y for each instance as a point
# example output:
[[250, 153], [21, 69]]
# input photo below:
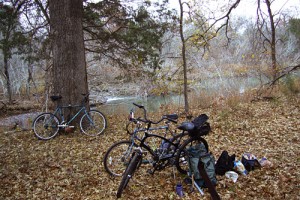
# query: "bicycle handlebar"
[[85, 98], [140, 106], [175, 122], [150, 121]]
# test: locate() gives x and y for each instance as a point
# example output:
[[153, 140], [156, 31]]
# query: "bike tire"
[[45, 126], [117, 157], [131, 168], [93, 123], [181, 157]]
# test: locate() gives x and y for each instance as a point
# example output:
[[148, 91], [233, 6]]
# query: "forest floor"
[[70, 165]]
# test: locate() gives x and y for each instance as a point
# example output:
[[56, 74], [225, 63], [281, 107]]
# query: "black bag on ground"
[[250, 164], [224, 163], [196, 153]]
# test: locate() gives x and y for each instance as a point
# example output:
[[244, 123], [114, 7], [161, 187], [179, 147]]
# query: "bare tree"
[[206, 30], [185, 93], [267, 30], [12, 37], [36, 21]]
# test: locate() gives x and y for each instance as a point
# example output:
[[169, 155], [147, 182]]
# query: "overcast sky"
[[248, 7]]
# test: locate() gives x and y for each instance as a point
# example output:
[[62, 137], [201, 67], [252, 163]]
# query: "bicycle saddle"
[[200, 120], [186, 126], [55, 98], [172, 116]]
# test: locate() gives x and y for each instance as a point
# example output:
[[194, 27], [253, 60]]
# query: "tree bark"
[[185, 84], [270, 40], [6, 73], [69, 65], [273, 39]]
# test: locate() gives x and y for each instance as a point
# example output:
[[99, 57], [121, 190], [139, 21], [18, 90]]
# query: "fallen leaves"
[[70, 165]]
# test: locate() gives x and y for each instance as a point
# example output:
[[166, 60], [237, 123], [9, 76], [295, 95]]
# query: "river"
[[225, 86]]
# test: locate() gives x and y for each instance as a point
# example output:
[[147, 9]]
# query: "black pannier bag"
[[202, 127], [250, 163], [224, 163]]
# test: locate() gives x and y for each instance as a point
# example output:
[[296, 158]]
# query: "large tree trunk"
[[69, 65]]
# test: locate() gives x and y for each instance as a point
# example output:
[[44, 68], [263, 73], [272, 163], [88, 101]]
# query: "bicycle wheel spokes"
[[93, 123], [117, 157], [45, 126]]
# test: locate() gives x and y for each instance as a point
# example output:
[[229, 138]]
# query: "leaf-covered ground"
[[70, 165]]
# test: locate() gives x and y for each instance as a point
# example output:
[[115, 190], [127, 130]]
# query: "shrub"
[[291, 85]]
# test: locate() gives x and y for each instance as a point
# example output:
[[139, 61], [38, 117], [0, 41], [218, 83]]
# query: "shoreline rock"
[[21, 121]]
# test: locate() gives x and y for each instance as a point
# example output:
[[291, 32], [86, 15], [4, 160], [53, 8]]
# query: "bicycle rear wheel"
[[117, 157], [181, 159], [133, 165], [45, 126], [93, 123]]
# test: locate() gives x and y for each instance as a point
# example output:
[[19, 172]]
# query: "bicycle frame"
[[47, 125], [149, 135], [165, 154], [142, 141], [158, 157], [134, 137], [63, 123]]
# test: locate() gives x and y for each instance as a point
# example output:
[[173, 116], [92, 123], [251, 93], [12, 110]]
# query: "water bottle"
[[239, 167], [179, 190]]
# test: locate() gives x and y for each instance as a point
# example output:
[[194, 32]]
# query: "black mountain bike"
[[46, 125], [172, 152], [117, 156]]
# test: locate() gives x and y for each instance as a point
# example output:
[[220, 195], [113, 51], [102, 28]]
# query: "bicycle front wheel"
[[45, 126], [182, 164], [131, 168], [93, 123], [117, 157]]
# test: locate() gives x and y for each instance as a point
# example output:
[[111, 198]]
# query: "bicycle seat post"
[[61, 114]]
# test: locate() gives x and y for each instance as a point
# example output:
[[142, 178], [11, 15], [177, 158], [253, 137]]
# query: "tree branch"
[[285, 72]]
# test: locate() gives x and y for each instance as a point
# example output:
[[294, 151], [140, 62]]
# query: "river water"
[[236, 85], [125, 103]]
